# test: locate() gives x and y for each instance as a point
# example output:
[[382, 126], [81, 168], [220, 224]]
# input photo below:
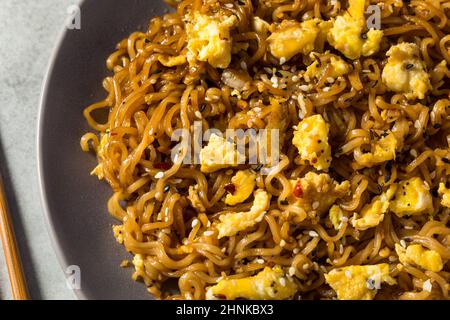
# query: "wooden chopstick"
[[10, 249]]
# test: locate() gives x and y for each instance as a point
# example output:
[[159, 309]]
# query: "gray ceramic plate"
[[74, 201]]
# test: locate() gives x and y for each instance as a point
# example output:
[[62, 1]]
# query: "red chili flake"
[[314, 160], [162, 166], [230, 187], [298, 191]]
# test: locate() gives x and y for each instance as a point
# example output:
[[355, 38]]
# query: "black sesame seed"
[[284, 202], [436, 126], [364, 36], [409, 66], [258, 168], [166, 188], [202, 107], [387, 178], [445, 160]]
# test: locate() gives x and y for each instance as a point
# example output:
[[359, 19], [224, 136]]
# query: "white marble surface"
[[28, 32]]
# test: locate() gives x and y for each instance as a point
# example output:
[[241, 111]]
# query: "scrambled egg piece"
[[218, 154], [168, 61], [405, 72], [412, 198], [345, 35], [269, 284], [381, 151], [445, 194], [311, 140], [372, 214], [209, 39], [418, 255], [336, 214], [98, 170], [292, 37], [359, 282], [337, 66], [318, 192], [244, 181], [194, 198], [118, 233], [232, 223]]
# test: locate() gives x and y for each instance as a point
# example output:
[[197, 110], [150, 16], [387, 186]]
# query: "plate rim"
[[49, 222]]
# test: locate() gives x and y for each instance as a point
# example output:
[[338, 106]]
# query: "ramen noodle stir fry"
[[357, 206]]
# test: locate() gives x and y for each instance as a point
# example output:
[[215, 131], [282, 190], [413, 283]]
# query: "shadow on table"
[[16, 216]]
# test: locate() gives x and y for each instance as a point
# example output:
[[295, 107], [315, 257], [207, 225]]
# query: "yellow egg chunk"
[[381, 151], [418, 255], [445, 194], [337, 68], [291, 37], [318, 192], [269, 284], [311, 140], [372, 214], [209, 39], [118, 233], [412, 198], [345, 35], [218, 154], [244, 181], [336, 214], [359, 282], [98, 170], [405, 72], [232, 223]]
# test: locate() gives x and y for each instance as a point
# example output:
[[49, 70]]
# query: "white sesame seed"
[[413, 152], [313, 234], [194, 223], [392, 258], [294, 127], [326, 89], [260, 261], [223, 249], [341, 249], [153, 81], [283, 282], [304, 87], [282, 243], [208, 233], [296, 250], [295, 78], [315, 205], [366, 71], [433, 175], [198, 114], [208, 224], [229, 5], [330, 80], [291, 271], [282, 60], [417, 124], [408, 227], [159, 175], [427, 286], [426, 185], [403, 243], [305, 266], [348, 274], [244, 65]]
